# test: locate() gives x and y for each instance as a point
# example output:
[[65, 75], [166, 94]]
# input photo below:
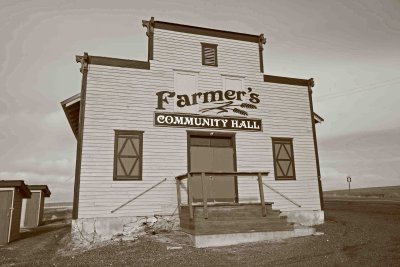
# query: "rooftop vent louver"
[[209, 54]]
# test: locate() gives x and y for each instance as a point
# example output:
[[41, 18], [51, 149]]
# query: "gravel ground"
[[355, 233]]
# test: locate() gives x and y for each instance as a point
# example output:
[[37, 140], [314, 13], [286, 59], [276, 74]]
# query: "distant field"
[[389, 192], [57, 204]]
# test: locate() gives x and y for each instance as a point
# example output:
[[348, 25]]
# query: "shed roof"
[[71, 107], [43, 188], [19, 184]]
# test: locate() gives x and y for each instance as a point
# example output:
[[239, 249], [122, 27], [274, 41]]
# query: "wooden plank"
[[180, 177], [204, 191], [178, 194], [190, 196], [286, 80], [260, 186], [183, 176], [231, 173]]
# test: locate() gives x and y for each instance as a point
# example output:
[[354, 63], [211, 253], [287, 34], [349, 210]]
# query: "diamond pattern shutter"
[[283, 159], [128, 155]]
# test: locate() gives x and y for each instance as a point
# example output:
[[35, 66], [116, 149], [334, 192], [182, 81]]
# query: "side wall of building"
[[16, 216]]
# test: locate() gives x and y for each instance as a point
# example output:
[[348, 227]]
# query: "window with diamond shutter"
[[283, 158], [209, 54], [128, 155]]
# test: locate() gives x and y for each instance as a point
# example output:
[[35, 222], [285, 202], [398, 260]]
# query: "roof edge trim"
[[116, 62], [208, 31], [288, 80]]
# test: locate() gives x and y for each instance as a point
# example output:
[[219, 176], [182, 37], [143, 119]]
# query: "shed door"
[[5, 213], [213, 154], [32, 210]]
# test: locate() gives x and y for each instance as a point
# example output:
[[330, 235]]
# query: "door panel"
[[32, 210], [215, 155], [201, 161], [223, 186], [5, 213]]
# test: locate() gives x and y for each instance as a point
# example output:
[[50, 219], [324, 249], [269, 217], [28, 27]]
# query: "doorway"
[[213, 152], [32, 210], [6, 199]]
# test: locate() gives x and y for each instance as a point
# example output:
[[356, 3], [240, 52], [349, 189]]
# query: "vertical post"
[[204, 191], [178, 194], [260, 187], [349, 181], [190, 196]]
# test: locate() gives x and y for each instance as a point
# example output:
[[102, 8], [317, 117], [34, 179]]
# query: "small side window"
[[128, 155], [209, 54], [282, 149]]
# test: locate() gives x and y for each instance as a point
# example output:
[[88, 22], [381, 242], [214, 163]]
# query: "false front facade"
[[196, 129]]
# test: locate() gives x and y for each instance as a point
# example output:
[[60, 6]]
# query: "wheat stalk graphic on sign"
[[226, 106]]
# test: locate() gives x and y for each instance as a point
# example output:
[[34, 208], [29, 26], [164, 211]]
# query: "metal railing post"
[[204, 191], [260, 186], [190, 196]]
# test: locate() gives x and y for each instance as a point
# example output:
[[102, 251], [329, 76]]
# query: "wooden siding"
[[41, 210], [125, 99], [32, 210]]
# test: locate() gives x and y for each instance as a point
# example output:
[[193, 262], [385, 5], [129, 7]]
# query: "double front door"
[[213, 154]]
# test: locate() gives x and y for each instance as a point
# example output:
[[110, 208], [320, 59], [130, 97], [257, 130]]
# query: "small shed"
[[11, 194], [35, 205]]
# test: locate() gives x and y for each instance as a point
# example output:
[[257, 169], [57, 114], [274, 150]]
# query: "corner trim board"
[[84, 69], [321, 197]]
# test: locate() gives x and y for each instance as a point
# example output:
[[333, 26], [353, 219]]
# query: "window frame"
[[283, 140], [117, 134], [213, 46]]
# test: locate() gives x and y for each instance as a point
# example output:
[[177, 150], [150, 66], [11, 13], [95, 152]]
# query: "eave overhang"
[[71, 107]]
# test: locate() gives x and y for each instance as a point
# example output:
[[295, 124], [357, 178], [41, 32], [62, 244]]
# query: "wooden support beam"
[[260, 187], [204, 191], [178, 194], [190, 196]]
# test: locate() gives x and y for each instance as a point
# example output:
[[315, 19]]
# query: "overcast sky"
[[350, 48]]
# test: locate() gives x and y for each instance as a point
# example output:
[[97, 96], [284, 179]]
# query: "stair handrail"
[[189, 175], [281, 194], [141, 194]]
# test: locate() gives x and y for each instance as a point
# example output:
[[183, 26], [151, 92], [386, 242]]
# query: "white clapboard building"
[[197, 132]]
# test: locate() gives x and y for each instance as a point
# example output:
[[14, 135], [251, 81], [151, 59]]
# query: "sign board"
[[239, 103], [208, 122]]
